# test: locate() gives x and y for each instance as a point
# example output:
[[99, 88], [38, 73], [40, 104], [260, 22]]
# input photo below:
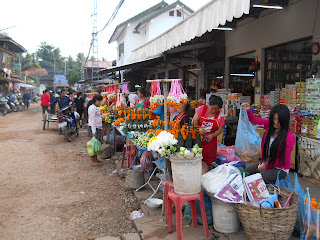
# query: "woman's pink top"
[[289, 143]]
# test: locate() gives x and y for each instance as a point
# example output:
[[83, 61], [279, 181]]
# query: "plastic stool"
[[167, 187], [102, 135], [124, 154], [179, 200]]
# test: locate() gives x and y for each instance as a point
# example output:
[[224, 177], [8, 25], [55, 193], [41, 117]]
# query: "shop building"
[[10, 72], [145, 26]]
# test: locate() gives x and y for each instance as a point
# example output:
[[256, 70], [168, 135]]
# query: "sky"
[[68, 24]]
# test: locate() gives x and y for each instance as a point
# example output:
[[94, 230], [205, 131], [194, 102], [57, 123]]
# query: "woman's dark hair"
[[278, 146], [215, 100], [95, 98], [142, 91], [79, 94], [186, 107]]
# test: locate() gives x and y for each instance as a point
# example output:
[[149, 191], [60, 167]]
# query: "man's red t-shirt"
[[45, 100]]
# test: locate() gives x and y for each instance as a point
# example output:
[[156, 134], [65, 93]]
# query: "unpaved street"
[[48, 188]]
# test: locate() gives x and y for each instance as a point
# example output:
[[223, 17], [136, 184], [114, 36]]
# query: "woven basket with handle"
[[269, 223]]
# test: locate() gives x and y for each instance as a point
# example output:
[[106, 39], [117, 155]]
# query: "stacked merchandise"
[[231, 101], [301, 89], [313, 95], [275, 97]]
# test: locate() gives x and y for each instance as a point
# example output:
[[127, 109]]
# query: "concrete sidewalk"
[[153, 225]]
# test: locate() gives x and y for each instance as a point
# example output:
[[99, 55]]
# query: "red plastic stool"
[[124, 154], [131, 151], [179, 200], [102, 135], [167, 187]]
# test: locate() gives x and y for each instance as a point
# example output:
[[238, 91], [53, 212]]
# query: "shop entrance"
[[242, 68]]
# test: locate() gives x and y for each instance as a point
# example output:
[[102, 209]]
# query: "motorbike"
[[18, 101], [67, 122], [34, 100], [4, 107], [12, 105]]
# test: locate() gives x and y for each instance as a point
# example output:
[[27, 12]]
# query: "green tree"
[[73, 76], [80, 59], [33, 80]]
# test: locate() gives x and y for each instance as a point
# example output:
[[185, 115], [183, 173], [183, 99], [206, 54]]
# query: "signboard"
[[60, 80], [16, 65]]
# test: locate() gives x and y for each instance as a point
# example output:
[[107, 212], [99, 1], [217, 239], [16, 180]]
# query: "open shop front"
[[230, 100]]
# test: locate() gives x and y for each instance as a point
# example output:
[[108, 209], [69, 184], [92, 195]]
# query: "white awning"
[[210, 16], [23, 85]]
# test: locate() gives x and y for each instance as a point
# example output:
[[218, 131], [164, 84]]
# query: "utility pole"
[[95, 62]]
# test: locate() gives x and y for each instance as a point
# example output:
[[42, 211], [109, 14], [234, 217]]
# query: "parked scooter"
[[67, 122], [4, 107], [18, 101], [13, 107]]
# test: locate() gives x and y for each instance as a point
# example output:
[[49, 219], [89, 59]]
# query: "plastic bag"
[[146, 160], [285, 182], [228, 154], [248, 142], [310, 224], [224, 182], [301, 207], [94, 147], [232, 189]]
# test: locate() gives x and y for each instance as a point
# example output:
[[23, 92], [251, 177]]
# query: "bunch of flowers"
[[196, 151], [119, 121], [165, 144]]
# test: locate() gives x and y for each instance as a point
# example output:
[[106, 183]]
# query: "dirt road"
[[48, 189]]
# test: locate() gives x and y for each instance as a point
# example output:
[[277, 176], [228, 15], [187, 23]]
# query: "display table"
[[309, 156]]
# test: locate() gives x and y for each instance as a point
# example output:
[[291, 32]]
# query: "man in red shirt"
[[45, 102]]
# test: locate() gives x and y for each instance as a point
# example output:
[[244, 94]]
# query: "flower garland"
[[177, 96]]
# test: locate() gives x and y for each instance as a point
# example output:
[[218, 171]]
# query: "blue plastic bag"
[[248, 143], [301, 207], [285, 182]]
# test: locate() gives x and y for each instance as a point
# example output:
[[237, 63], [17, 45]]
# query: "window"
[[121, 49], [178, 13], [171, 13]]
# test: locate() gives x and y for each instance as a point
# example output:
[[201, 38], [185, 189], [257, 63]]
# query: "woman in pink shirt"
[[277, 143]]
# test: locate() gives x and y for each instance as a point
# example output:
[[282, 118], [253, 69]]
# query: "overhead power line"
[[94, 34]]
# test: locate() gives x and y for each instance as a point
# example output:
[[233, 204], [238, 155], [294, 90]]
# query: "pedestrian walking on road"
[[26, 99], [45, 102], [95, 123], [79, 101]]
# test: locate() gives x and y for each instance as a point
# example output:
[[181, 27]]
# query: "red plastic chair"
[[179, 200], [167, 187]]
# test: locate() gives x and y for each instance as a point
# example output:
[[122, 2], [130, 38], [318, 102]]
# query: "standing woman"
[[277, 143], [211, 122], [142, 102], [95, 123]]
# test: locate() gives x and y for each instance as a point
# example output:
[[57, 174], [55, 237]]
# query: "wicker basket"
[[269, 223]]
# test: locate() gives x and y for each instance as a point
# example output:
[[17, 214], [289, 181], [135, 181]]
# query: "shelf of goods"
[[285, 67]]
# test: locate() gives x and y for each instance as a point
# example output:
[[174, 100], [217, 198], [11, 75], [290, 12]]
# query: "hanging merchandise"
[[156, 99], [125, 88], [177, 95], [120, 101], [112, 96]]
